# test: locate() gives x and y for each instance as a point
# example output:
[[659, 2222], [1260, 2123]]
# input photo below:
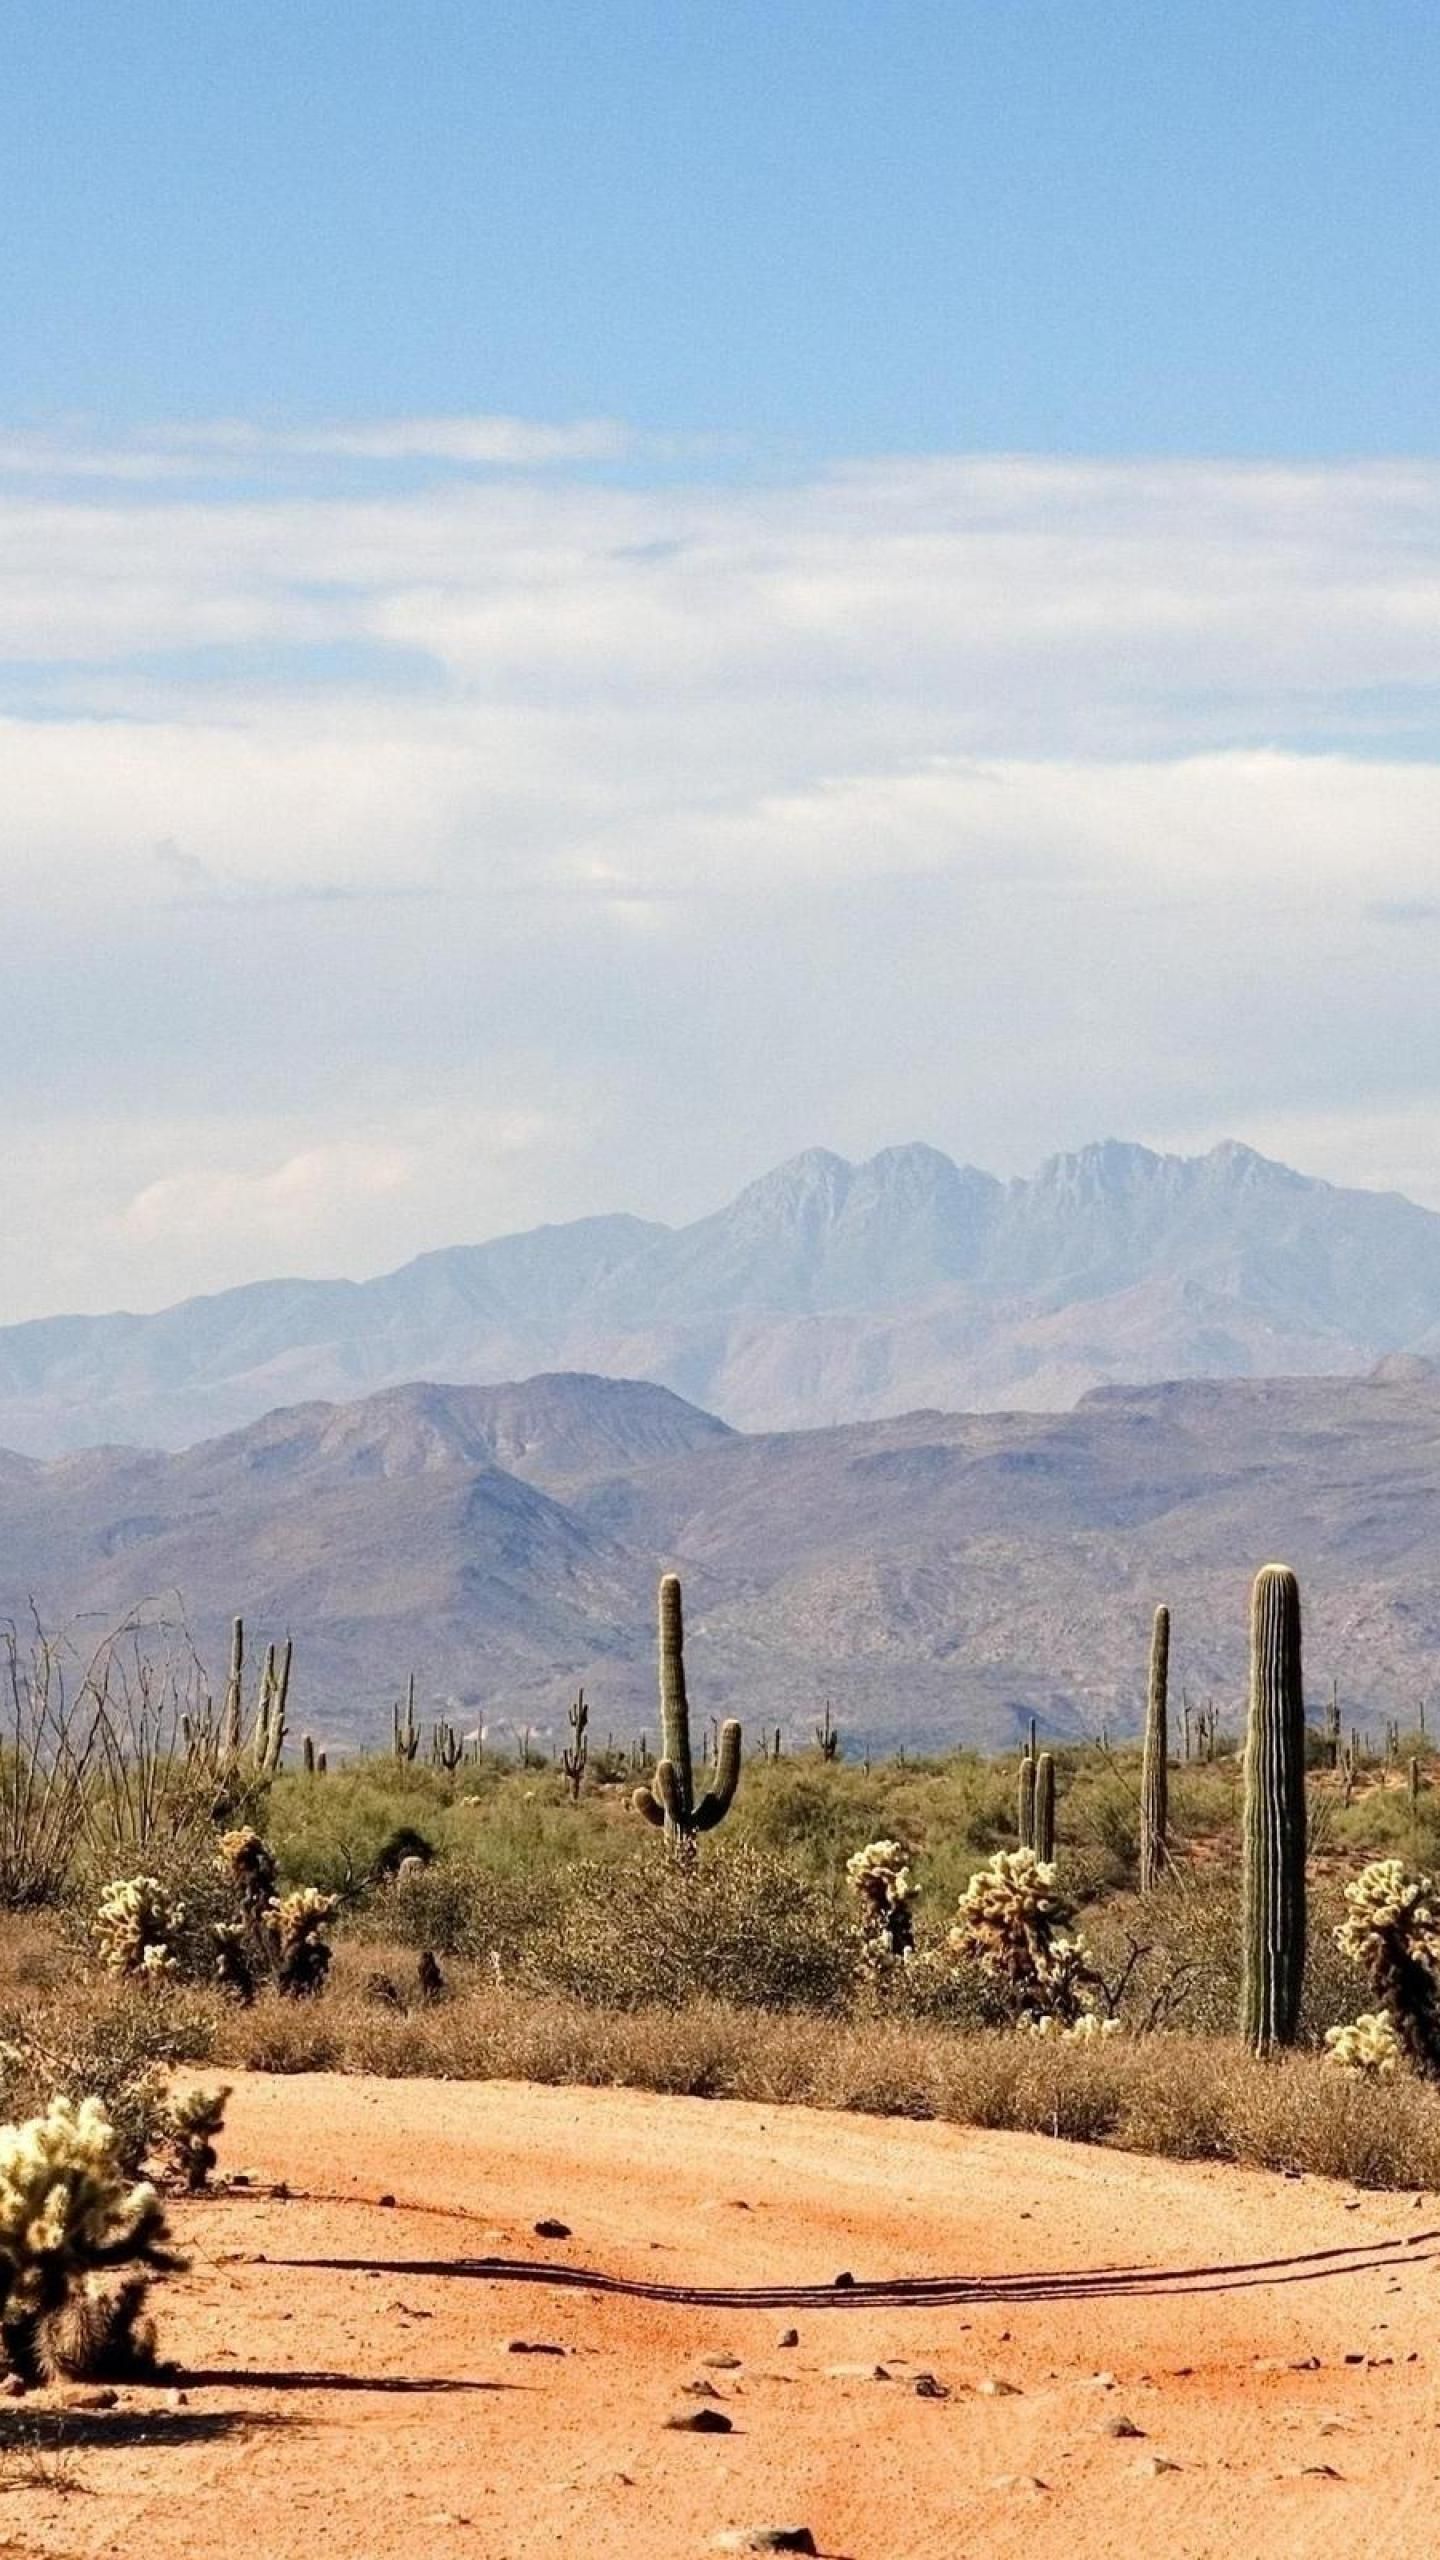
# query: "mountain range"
[[939, 1576], [826, 1292]]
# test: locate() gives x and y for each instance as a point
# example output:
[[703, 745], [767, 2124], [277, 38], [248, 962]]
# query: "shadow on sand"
[[1095, 2284]]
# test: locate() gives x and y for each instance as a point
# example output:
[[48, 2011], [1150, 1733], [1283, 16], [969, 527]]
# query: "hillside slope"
[[940, 1576]]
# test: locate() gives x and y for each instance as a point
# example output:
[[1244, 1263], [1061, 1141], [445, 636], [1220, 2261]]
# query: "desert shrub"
[[460, 1910], [650, 1932], [97, 2040]]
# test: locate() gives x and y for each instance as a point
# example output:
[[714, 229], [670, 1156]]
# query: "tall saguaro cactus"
[[1273, 1948], [670, 1800], [1155, 1763], [1044, 1822], [1025, 1802]]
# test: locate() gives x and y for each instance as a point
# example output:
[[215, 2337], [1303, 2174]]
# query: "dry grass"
[[1182, 2096]]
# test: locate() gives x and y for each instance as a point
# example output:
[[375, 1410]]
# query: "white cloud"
[[1004, 802]]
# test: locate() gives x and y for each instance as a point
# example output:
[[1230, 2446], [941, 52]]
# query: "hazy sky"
[[593, 594]]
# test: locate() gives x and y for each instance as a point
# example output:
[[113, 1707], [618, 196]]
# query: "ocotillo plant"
[[1155, 1762], [1273, 1842], [405, 1736], [1025, 1802], [1045, 1809], [577, 1751], [670, 1799]]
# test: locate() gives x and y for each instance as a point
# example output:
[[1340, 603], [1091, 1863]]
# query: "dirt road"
[[1127, 2356]]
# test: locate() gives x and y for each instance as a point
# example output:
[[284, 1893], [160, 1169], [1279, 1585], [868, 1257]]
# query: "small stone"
[[1355, 2359], [857, 2373], [700, 2422], [13, 2386], [100, 2395], [1124, 2427], [1153, 2466], [550, 2229], [765, 2537], [844, 2281], [386, 2199], [700, 2390], [722, 2361], [926, 2386], [993, 2388], [1305, 2364], [788, 2338], [177, 2399], [531, 2347]]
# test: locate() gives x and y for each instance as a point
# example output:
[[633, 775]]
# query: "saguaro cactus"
[[1273, 1947], [1044, 1842], [405, 1735], [576, 1754], [1025, 1802], [1155, 1764], [670, 1799]]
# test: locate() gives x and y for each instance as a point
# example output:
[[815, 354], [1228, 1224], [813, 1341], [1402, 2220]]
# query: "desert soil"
[[1128, 2355]]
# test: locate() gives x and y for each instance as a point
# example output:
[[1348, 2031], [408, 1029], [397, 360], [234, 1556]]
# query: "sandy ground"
[[1130, 2356]]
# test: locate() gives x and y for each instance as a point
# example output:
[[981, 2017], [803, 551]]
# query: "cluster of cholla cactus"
[[670, 1800], [136, 1927], [280, 1935], [68, 2216], [250, 1866], [1369, 2048], [295, 1926], [1016, 1926], [1391, 1930], [879, 1875], [191, 2125], [1089, 2028]]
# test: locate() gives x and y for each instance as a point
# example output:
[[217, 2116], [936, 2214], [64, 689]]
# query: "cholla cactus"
[[194, 2121], [235, 1960], [136, 1924], [295, 1926], [1018, 1928], [1369, 2048], [1392, 1930], [250, 1866], [67, 2213], [880, 1875], [1088, 2028]]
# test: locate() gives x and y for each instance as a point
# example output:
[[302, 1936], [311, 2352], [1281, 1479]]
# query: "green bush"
[[653, 1932]]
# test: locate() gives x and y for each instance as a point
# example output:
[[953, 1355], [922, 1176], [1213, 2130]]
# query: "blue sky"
[[818, 226], [592, 596]]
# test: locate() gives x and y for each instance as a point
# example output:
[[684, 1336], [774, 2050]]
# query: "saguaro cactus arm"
[[717, 1800]]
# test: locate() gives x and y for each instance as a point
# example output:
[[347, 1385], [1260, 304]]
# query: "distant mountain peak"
[[825, 1290]]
